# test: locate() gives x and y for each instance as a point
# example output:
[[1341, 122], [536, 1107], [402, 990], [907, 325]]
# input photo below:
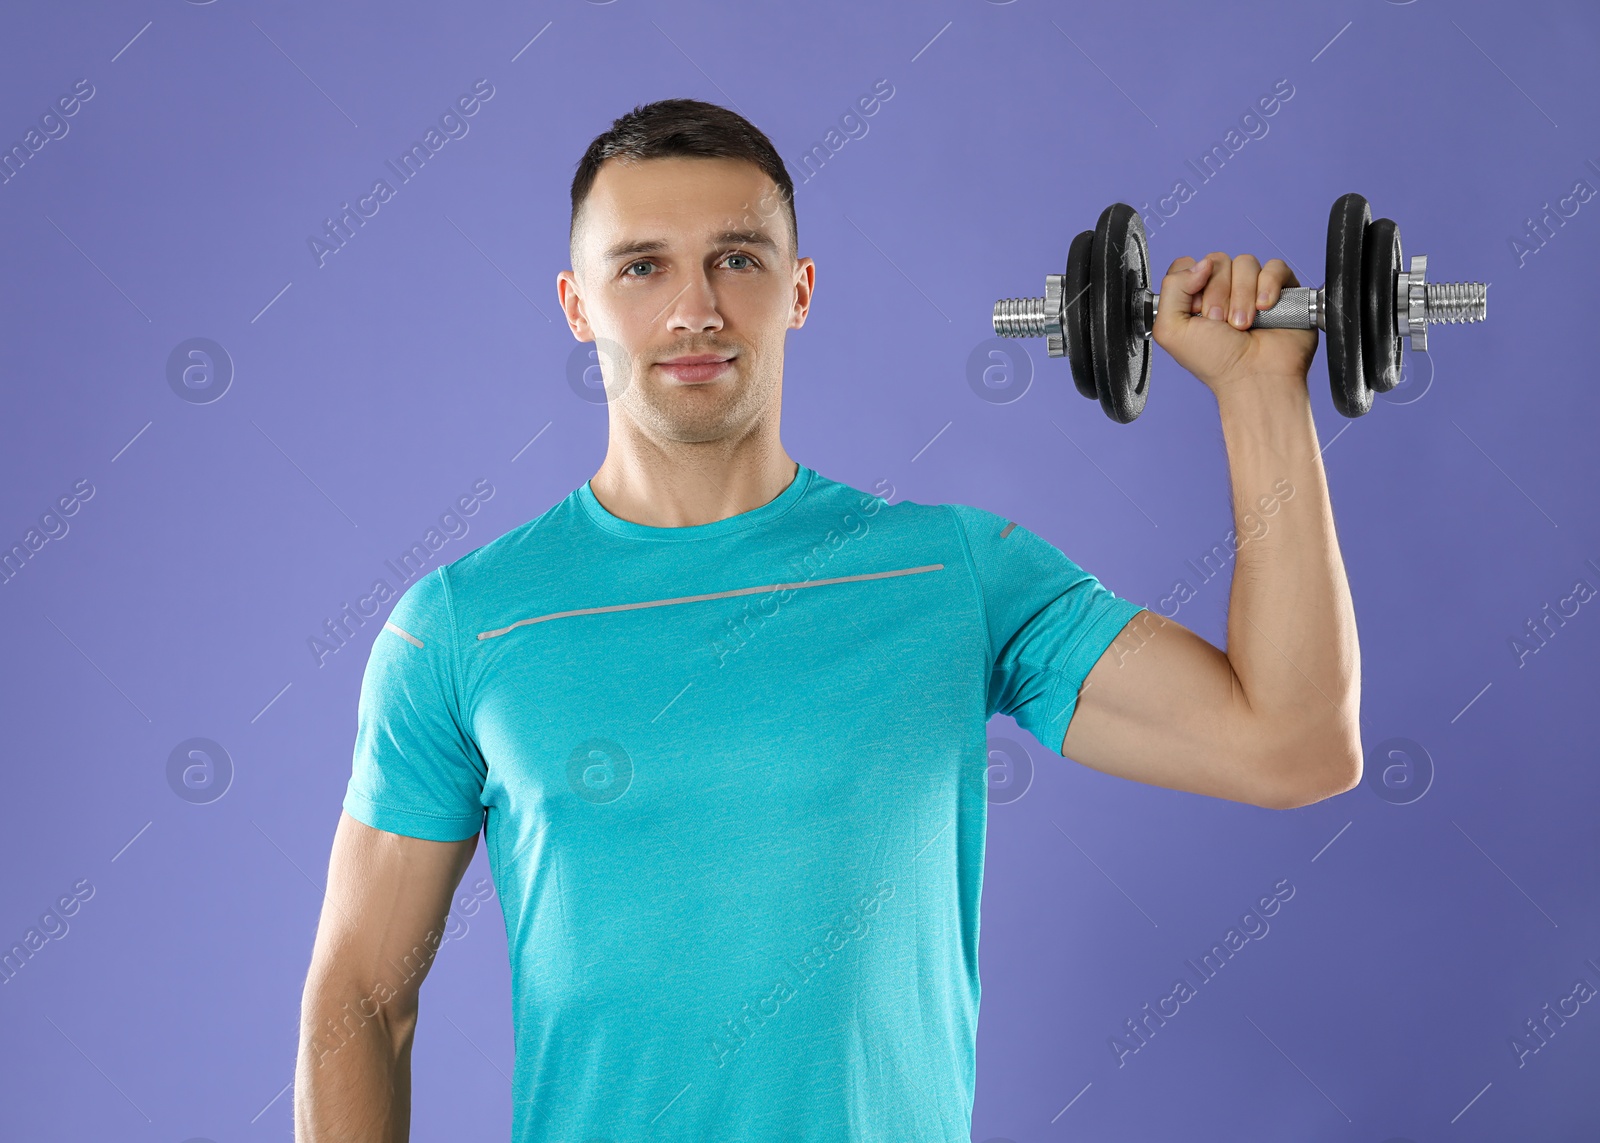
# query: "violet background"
[[369, 393]]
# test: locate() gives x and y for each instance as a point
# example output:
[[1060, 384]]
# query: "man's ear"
[[805, 280], [572, 305]]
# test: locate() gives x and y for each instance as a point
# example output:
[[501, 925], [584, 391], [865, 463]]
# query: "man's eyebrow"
[[631, 247]]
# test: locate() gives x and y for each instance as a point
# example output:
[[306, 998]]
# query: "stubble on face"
[[693, 414]]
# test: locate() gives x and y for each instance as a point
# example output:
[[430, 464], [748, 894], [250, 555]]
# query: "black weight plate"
[[1120, 268], [1347, 228], [1381, 344], [1075, 313]]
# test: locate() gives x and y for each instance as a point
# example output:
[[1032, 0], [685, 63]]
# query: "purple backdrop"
[[200, 511]]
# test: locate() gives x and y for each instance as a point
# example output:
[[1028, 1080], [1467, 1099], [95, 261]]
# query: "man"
[[722, 720]]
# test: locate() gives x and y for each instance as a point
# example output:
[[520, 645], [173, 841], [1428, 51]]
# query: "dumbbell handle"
[[1298, 307]]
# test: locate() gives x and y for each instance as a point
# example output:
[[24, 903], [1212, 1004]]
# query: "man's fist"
[[1206, 310]]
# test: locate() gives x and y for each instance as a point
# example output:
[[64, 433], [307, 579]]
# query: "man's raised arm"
[[382, 922], [1274, 721]]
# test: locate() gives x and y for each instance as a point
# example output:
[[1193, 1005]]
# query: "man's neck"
[[677, 492]]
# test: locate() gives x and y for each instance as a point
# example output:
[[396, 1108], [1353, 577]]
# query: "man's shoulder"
[[497, 565], [878, 502]]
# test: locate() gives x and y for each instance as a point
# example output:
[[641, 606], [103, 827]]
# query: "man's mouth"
[[695, 367]]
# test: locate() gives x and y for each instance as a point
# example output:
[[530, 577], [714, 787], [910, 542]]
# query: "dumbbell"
[[1099, 314]]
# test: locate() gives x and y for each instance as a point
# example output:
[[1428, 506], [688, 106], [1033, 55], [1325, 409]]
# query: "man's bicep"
[[384, 912], [1163, 706]]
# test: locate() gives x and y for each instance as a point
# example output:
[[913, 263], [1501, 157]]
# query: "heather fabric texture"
[[737, 833]]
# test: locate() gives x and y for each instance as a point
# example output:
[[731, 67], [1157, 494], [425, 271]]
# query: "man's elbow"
[[1305, 772], [338, 1005], [1335, 780]]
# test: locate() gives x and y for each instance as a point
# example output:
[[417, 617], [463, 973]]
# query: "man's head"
[[684, 243]]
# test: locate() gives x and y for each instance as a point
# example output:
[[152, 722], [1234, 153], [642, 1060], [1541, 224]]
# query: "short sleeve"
[[1048, 620], [416, 771]]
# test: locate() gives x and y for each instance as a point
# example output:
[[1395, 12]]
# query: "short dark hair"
[[671, 127]]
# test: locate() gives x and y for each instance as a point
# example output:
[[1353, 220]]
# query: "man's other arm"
[[382, 922]]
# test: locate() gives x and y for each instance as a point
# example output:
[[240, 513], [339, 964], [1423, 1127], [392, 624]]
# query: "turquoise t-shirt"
[[732, 780]]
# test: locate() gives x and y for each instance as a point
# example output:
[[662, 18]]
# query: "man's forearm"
[[1291, 623], [353, 1074]]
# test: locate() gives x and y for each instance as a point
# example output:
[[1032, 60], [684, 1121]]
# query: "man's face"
[[687, 257]]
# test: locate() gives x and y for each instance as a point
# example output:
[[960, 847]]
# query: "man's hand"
[[1218, 346]]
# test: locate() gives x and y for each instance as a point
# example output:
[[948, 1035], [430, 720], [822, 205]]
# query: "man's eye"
[[749, 263]]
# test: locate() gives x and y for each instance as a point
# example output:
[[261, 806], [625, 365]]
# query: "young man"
[[721, 720]]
